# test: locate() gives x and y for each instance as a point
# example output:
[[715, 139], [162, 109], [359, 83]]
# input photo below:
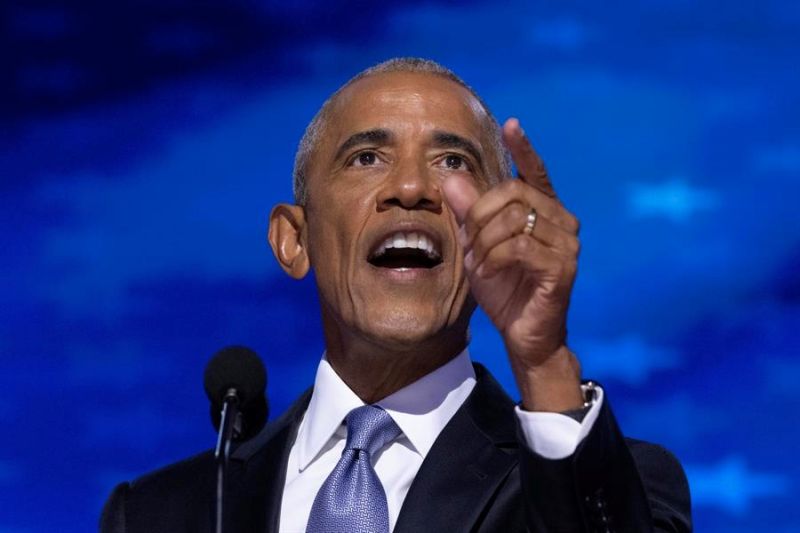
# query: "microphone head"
[[239, 368]]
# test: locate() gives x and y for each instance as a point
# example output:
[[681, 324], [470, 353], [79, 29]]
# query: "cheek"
[[333, 231], [326, 247]]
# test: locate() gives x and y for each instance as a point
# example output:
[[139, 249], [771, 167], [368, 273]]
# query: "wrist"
[[554, 385]]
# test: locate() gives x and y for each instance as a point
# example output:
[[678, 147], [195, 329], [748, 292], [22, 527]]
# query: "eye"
[[455, 162], [364, 159]]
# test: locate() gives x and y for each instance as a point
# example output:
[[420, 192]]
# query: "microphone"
[[234, 380], [236, 374]]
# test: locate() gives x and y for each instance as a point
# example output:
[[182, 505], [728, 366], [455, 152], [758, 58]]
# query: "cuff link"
[[589, 390]]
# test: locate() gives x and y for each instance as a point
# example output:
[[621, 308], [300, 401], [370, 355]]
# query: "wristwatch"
[[589, 390]]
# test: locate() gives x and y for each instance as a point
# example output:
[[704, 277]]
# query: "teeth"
[[408, 240], [411, 240]]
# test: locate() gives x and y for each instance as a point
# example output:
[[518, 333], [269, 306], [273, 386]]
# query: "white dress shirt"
[[421, 410]]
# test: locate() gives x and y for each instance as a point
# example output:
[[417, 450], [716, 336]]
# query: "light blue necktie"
[[352, 499]]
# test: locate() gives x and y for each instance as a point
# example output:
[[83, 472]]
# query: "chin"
[[401, 329]]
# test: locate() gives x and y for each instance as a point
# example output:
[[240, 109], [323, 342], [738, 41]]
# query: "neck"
[[376, 370]]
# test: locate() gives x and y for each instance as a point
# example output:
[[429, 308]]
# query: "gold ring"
[[531, 222]]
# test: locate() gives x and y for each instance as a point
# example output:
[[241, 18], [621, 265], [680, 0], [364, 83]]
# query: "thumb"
[[459, 194]]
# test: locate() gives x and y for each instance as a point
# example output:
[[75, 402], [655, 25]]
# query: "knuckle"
[[516, 212], [574, 223], [570, 269], [573, 245], [522, 246], [514, 187]]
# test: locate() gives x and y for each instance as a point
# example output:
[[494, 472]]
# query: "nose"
[[411, 186]]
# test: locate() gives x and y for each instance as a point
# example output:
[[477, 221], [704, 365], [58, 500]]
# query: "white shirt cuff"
[[556, 436]]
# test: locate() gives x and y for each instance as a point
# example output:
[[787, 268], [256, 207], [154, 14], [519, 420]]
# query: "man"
[[407, 214]]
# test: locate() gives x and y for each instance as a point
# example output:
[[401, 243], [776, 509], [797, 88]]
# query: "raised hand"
[[520, 253]]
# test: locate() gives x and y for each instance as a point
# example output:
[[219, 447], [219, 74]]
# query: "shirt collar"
[[421, 409]]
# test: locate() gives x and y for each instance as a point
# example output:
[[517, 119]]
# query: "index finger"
[[529, 165]]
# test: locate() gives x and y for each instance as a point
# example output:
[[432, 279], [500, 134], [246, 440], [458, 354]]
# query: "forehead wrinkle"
[[407, 95], [402, 99]]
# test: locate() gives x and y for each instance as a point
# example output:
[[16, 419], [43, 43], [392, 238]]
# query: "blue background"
[[144, 142]]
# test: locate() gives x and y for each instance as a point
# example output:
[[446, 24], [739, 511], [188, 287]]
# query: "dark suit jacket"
[[477, 477]]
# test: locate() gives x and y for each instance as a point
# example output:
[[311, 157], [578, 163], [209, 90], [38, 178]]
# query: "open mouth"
[[404, 250]]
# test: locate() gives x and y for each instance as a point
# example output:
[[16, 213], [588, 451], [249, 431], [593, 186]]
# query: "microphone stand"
[[230, 426]]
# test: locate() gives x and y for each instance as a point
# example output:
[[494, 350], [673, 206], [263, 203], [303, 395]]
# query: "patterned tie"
[[352, 499]]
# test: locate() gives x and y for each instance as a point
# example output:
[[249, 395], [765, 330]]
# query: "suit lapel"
[[258, 473], [474, 453], [470, 458]]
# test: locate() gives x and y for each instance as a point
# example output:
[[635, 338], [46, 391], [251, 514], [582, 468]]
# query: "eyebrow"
[[444, 139], [378, 136]]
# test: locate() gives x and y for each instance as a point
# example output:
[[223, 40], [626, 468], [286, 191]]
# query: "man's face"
[[382, 242]]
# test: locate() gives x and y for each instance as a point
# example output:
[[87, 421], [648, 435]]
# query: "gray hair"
[[314, 130]]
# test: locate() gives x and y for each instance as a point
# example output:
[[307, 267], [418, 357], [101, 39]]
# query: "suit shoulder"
[[665, 482], [655, 459], [178, 476], [167, 499]]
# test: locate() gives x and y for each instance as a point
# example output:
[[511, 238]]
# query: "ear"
[[287, 237]]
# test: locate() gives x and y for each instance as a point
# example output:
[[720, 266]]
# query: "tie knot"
[[370, 428]]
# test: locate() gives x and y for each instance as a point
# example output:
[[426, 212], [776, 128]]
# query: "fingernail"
[[469, 259], [519, 127], [462, 237]]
